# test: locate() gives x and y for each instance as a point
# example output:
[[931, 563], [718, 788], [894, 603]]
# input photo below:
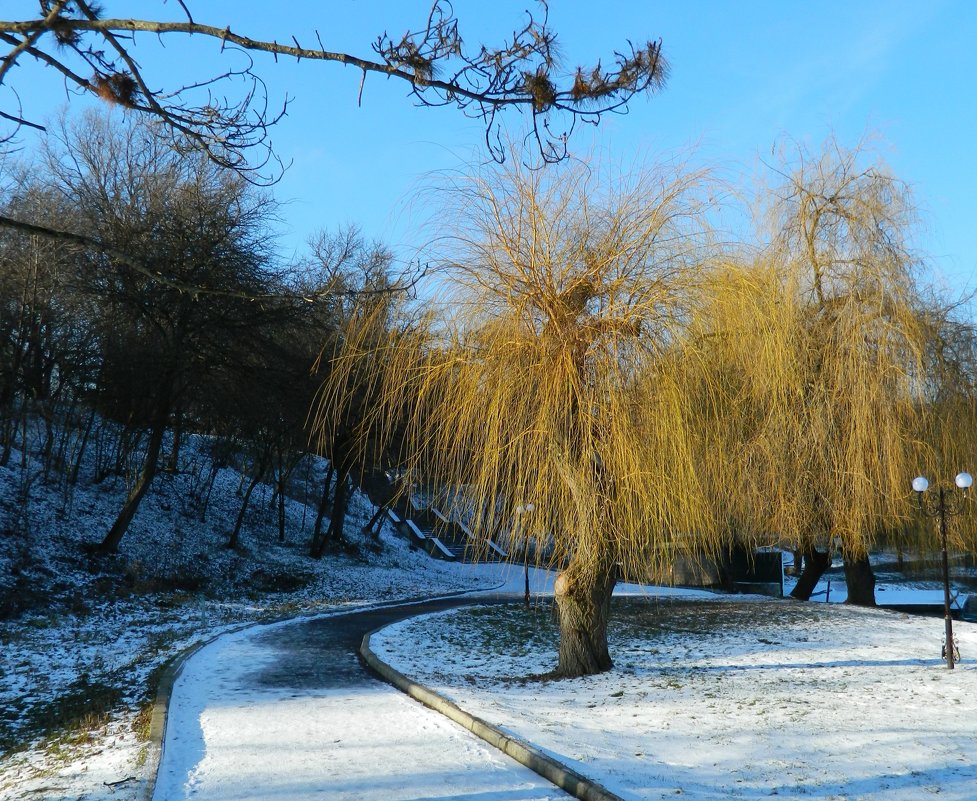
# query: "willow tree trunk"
[[860, 580], [815, 563], [583, 599]]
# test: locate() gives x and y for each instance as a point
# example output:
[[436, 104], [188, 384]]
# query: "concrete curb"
[[563, 776]]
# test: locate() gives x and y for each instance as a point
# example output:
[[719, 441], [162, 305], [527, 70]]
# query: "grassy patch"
[[514, 629], [639, 628], [266, 581], [69, 719], [143, 721]]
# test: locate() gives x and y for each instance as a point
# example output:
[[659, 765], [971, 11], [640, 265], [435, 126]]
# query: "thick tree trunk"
[[583, 599], [131, 506], [860, 580], [815, 563]]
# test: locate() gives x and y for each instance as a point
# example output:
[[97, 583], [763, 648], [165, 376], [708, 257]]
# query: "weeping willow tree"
[[817, 350], [951, 415], [547, 379]]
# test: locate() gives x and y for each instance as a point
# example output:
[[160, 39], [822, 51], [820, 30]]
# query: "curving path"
[[288, 711]]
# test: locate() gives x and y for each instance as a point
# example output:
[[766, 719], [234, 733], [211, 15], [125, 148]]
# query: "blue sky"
[[745, 75]]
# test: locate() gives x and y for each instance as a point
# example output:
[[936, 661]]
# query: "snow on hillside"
[[83, 634], [789, 700]]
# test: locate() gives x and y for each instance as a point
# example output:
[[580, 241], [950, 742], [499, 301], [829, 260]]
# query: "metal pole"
[[946, 584], [525, 557]]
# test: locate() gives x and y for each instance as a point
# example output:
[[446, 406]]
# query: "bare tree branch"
[[409, 279], [523, 73]]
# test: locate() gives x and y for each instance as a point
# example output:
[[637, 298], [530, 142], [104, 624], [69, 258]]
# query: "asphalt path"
[[323, 653], [289, 711]]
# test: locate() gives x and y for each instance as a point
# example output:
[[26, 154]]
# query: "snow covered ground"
[[247, 723], [714, 700], [722, 698]]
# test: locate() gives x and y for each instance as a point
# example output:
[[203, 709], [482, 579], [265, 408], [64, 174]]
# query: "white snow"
[[93, 630], [731, 699]]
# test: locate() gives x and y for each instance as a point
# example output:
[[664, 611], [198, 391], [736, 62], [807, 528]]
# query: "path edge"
[[168, 675], [529, 755]]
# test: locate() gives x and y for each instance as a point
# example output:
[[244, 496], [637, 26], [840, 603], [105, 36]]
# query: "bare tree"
[[98, 54], [47, 322], [193, 222], [357, 273]]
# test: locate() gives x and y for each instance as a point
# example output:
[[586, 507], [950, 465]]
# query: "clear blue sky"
[[744, 75]]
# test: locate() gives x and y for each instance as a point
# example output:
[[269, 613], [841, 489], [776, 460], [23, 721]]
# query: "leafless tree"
[[195, 224]]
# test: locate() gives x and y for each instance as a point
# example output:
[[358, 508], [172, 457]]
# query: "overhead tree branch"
[[523, 73]]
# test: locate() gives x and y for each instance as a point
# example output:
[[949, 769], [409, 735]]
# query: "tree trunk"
[[79, 456], [815, 563], [150, 464], [338, 517], [377, 521], [282, 478], [321, 513], [47, 450], [205, 501], [66, 437], [860, 580], [8, 432], [583, 599], [173, 462], [236, 532]]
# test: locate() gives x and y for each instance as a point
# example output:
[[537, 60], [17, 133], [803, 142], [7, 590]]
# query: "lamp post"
[[943, 506], [520, 510]]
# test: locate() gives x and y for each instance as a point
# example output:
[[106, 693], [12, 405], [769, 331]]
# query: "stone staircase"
[[426, 527], [442, 538]]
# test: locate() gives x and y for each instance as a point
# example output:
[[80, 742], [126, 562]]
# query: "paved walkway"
[[288, 712]]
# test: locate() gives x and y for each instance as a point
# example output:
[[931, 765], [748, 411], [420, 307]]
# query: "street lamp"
[[520, 510], [942, 506]]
